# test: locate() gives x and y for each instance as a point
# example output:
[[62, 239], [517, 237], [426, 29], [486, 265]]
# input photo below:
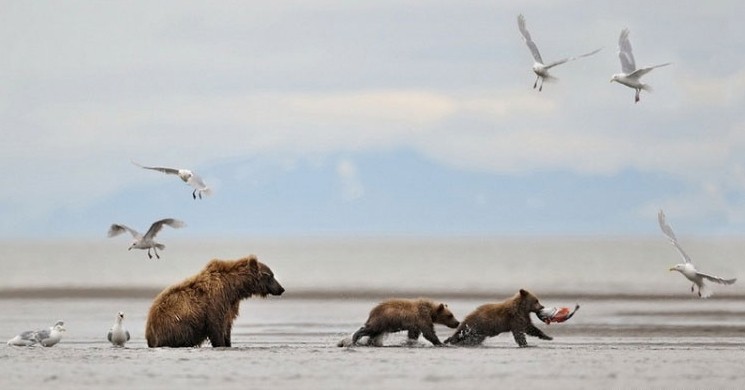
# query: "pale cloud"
[[88, 86], [725, 90], [351, 185]]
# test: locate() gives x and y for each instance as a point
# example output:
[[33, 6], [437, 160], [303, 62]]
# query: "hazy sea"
[[639, 326]]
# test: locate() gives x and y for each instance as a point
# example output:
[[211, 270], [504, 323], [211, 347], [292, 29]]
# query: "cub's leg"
[[361, 332], [519, 338], [429, 334], [535, 332]]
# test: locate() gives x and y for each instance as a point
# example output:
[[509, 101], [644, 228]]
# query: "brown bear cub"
[[492, 319], [205, 305], [416, 316]]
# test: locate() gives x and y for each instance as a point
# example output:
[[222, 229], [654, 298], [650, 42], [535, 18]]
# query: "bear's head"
[[529, 302], [261, 280], [444, 316]]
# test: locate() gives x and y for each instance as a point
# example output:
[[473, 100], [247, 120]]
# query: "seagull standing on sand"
[[45, 337], [687, 268], [539, 68], [118, 335], [187, 176], [630, 76], [50, 337], [148, 240]]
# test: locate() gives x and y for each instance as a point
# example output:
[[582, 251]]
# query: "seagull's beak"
[[611, 80], [672, 269], [129, 249]]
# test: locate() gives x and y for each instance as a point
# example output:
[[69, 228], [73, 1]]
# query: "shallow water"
[[290, 343], [638, 325], [548, 265]]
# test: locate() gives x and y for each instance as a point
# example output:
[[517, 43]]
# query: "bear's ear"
[[523, 293], [253, 264], [441, 307]]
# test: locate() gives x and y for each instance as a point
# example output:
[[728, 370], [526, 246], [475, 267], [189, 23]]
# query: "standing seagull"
[[148, 240], [630, 76], [45, 337], [117, 334], [687, 268], [187, 176], [539, 68]]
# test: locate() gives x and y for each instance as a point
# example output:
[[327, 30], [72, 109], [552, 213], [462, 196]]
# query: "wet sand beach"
[[638, 326], [289, 343]]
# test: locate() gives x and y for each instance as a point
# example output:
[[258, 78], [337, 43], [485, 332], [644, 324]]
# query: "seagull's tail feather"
[[550, 78], [647, 87], [207, 191], [160, 246], [704, 291]]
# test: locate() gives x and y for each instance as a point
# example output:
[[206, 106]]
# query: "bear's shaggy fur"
[[205, 305], [417, 316], [492, 319]]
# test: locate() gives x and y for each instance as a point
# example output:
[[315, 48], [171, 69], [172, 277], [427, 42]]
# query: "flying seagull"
[[187, 176], [118, 335], [630, 76], [539, 68], [687, 268], [148, 240]]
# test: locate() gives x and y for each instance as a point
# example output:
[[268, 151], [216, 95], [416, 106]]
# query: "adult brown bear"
[[205, 305]]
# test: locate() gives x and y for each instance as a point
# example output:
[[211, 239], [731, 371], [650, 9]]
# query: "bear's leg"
[[376, 341], [520, 338], [361, 332], [535, 332], [226, 336], [429, 334], [413, 334], [216, 335]]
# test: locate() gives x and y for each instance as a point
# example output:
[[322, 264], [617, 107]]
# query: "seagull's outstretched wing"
[[126, 332], [108, 336], [671, 235], [157, 225], [628, 65], [641, 72], [559, 62], [716, 279], [117, 229], [169, 171], [528, 41]]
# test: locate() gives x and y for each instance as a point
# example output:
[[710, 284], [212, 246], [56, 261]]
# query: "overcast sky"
[[379, 118]]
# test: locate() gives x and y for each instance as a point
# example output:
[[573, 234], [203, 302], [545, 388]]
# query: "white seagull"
[[541, 69], [45, 337], [25, 339], [148, 240], [118, 335], [630, 76], [187, 176], [687, 268], [50, 337]]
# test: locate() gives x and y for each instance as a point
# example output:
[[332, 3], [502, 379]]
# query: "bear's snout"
[[276, 289]]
